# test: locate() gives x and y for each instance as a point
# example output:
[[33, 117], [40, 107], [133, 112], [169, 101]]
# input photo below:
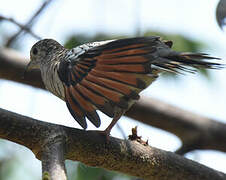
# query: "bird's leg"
[[115, 119]]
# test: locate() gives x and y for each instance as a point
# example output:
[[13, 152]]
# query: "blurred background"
[[190, 24]]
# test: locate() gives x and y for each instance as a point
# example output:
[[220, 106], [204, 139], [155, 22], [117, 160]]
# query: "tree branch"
[[90, 147], [12, 67], [195, 131], [53, 162], [22, 27], [29, 23]]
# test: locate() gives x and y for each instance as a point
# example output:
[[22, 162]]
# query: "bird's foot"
[[105, 133]]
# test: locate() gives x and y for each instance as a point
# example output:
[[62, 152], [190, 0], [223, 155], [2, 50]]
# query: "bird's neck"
[[51, 79]]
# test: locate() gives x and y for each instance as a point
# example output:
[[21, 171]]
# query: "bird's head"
[[43, 52]]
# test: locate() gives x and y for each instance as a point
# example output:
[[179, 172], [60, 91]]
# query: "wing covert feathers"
[[111, 76]]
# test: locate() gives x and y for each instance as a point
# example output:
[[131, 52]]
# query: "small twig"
[[135, 137], [195, 131], [22, 27], [29, 23]]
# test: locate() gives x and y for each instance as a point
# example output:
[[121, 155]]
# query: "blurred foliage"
[[180, 43], [13, 160], [6, 162], [78, 39], [84, 172], [7, 167]]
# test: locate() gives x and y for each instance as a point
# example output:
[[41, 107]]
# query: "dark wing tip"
[[127, 41], [201, 59], [94, 118], [199, 56], [80, 119]]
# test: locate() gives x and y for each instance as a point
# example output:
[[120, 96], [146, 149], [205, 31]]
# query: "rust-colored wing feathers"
[[122, 60], [74, 109], [97, 100], [107, 77], [124, 89], [111, 76]]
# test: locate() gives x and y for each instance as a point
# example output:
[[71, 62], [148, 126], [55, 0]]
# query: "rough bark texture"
[[52, 157], [195, 131], [91, 148]]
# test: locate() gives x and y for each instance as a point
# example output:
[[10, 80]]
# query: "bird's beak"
[[33, 64], [29, 67]]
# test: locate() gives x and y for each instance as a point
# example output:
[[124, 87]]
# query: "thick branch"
[[53, 165], [12, 67], [195, 131], [91, 148]]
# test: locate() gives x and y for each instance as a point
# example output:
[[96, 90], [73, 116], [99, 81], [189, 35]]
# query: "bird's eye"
[[35, 51]]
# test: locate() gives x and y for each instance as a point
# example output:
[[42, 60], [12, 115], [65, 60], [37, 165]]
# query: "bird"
[[108, 75]]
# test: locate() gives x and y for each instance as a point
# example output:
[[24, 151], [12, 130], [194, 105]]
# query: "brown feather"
[[77, 74], [83, 103], [127, 78], [134, 46], [124, 53], [79, 70], [114, 85], [74, 109], [86, 107], [89, 94], [83, 66], [99, 101], [123, 60], [73, 105], [73, 76], [113, 96], [135, 68]]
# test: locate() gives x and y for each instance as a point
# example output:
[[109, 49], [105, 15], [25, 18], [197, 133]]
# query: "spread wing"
[[110, 76], [106, 76]]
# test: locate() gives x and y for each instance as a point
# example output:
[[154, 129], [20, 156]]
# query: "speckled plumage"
[[107, 75]]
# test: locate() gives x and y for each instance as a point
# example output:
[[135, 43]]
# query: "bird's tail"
[[184, 62], [152, 54]]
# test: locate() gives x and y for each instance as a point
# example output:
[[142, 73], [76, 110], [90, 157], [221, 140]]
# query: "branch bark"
[[52, 157], [195, 131], [125, 156]]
